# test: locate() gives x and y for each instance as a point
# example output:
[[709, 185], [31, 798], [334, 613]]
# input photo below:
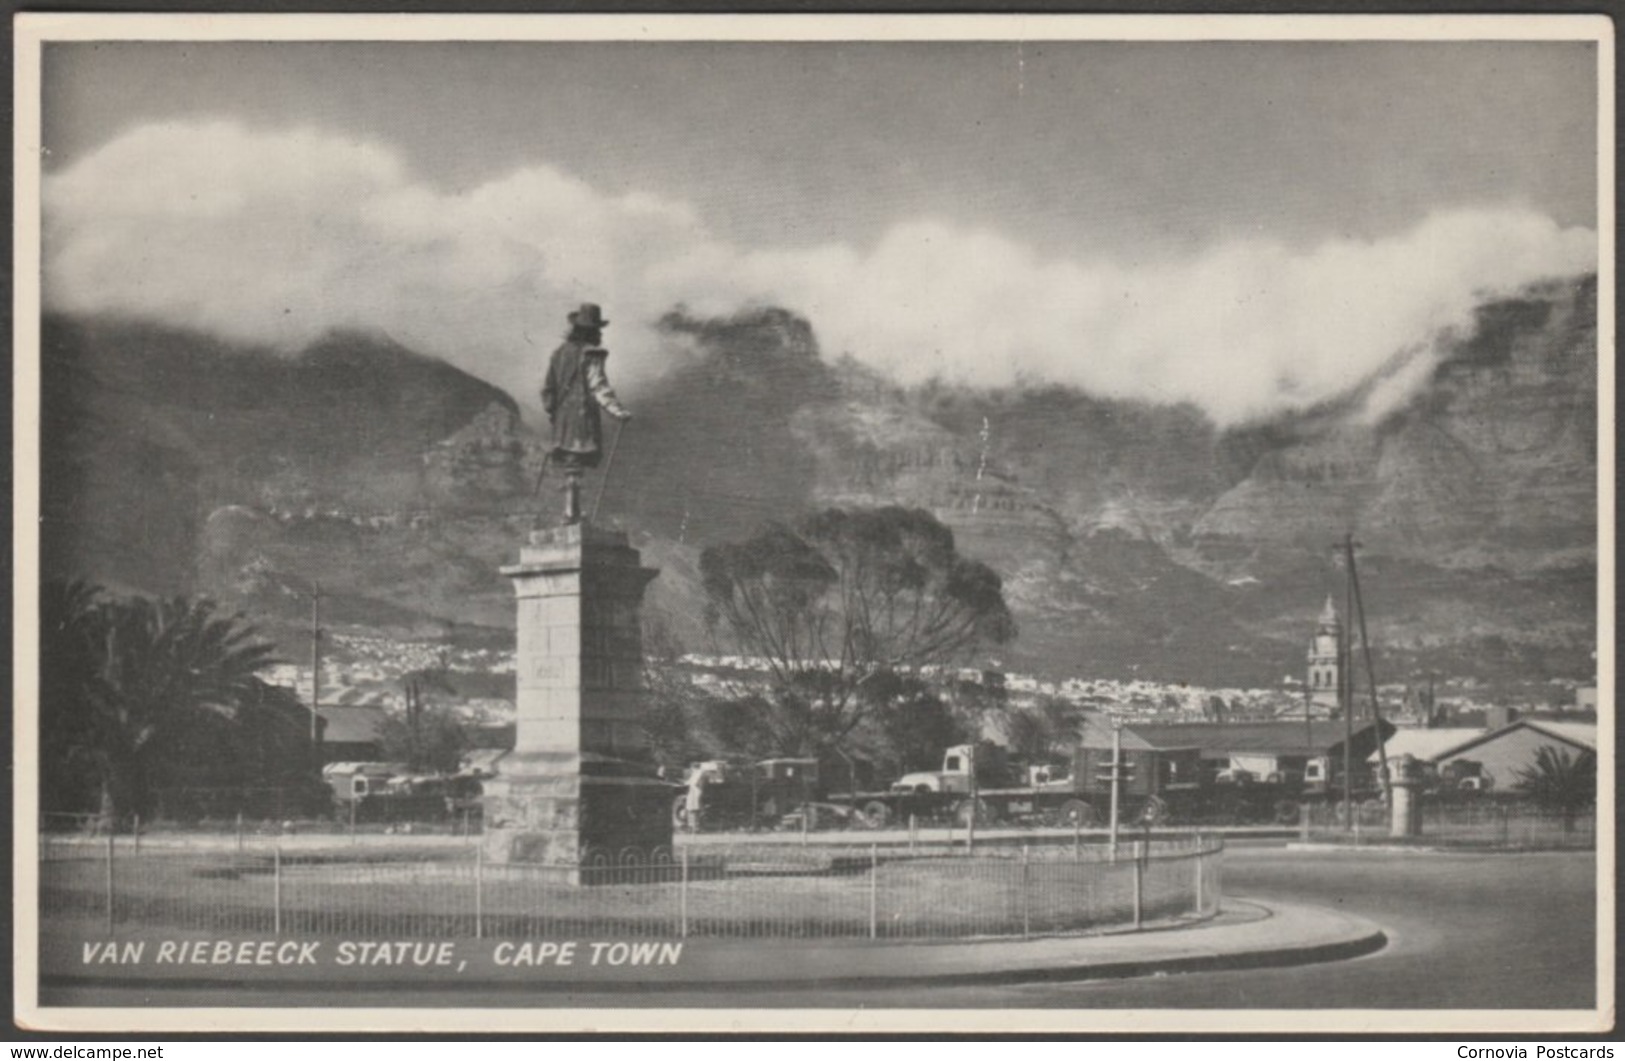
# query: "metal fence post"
[[1303, 822], [479, 891], [1139, 885], [137, 834], [1505, 827], [239, 832], [1201, 865], [682, 897], [276, 890], [913, 831], [1026, 895], [1077, 839], [806, 823], [110, 893], [874, 891]]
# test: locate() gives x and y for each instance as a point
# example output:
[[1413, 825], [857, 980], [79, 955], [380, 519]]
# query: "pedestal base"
[[576, 814]]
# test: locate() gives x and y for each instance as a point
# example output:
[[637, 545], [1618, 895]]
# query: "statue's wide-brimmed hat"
[[590, 315]]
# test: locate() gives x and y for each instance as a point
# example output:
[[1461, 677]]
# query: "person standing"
[[576, 389]]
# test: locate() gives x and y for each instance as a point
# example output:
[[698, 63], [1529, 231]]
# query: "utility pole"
[[315, 668], [1117, 777], [1370, 675], [1345, 681], [975, 798], [1308, 726]]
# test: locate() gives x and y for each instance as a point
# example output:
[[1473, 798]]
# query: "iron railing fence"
[[464, 822], [1470, 823], [761, 892], [465, 828]]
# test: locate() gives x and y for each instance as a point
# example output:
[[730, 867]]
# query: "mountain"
[[1134, 539], [1493, 462], [172, 462]]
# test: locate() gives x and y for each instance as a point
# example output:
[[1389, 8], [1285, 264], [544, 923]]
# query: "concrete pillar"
[[1405, 785], [579, 789]]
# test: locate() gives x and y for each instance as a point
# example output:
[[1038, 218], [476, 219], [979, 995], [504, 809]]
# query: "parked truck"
[[734, 794], [1158, 784], [984, 784]]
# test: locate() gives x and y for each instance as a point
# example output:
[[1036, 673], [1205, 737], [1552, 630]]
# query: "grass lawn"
[[381, 895]]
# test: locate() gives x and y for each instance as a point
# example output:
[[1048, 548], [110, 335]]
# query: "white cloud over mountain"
[[277, 236]]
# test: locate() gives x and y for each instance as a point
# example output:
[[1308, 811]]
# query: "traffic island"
[[1245, 935]]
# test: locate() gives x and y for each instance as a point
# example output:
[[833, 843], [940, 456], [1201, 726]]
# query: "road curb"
[[1290, 934], [1427, 849], [1366, 849]]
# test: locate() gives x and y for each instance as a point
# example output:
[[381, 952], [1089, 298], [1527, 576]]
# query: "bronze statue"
[[577, 387]]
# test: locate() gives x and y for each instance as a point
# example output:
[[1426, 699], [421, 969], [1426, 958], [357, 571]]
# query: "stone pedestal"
[[579, 789], [1405, 784]]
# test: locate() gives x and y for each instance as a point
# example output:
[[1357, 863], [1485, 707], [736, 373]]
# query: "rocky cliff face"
[[1492, 462], [175, 463], [1134, 539]]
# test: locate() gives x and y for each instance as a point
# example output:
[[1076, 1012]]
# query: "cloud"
[[278, 236]]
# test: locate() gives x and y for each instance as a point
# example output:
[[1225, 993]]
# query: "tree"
[[427, 736], [1042, 732], [121, 679], [834, 603], [68, 643], [256, 761], [914, 727], [1560, 782]]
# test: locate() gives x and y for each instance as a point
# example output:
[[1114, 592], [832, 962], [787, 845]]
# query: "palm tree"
[[143, 669], [1560, 782], [69, 613]]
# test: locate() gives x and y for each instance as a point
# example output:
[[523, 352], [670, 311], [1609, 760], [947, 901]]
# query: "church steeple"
[[1324, 657], [1328, 615]]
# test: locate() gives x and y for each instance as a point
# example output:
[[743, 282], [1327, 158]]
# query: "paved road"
[[1466, 931]]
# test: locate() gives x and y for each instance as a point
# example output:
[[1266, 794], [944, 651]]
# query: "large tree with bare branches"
[[837, 603]]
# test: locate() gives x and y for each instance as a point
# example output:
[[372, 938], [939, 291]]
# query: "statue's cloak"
[[571, 406]]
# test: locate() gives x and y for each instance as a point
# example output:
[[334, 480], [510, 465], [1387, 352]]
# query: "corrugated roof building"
[[1502, 753]]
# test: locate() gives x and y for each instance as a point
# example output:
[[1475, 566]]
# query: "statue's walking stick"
[[609, 462]]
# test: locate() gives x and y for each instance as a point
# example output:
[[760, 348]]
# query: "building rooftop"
[[1277, 738], [1582, 735], [1095, 731], [1427, 744], [483, 760]]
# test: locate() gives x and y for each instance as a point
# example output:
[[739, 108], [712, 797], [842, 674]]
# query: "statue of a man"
[[576, 389]]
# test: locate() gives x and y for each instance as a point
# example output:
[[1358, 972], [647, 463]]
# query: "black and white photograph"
[[766, 523]]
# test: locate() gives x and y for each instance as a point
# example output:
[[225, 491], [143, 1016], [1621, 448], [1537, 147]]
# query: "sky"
[[1246, 226]]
